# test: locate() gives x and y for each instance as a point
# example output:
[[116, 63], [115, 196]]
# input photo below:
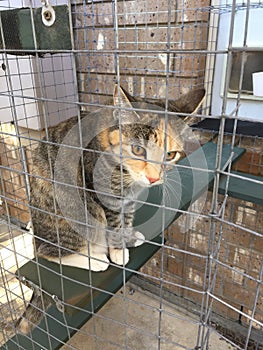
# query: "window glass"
[[253, 63]]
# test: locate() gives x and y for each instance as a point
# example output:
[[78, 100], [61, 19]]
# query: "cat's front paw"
[[140, 238], [136, 239], [98, 262], [119, 256]]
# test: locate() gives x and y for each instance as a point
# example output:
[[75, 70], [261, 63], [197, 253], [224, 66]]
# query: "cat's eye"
[[170, 155], [139, 151]]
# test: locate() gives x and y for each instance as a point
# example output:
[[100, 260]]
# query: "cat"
[[83, 215]]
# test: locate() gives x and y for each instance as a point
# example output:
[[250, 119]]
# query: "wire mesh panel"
[[116, 164]]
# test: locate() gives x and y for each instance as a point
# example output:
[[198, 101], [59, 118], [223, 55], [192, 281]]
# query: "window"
[[253, 63]]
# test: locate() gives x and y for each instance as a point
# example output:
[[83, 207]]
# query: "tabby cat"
[[94, 168]]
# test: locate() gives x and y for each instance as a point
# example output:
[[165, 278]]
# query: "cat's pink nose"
[[153, 179]]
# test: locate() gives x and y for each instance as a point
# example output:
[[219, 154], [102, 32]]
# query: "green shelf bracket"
[[18, 31]]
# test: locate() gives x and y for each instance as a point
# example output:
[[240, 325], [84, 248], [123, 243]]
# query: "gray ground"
[[131, 322]]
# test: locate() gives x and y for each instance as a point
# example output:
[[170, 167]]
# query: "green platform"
[[90, 290], [242, 188], [85, 290]]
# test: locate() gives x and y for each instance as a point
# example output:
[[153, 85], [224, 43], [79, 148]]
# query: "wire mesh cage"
[[192, 278]]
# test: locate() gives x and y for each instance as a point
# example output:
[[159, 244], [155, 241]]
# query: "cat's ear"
[[125, 111], [188, 103], [120, 98]]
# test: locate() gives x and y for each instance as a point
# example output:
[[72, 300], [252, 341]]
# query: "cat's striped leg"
[[118, 252], [121, 256], [132, 238], [120, 240], [127, 236]]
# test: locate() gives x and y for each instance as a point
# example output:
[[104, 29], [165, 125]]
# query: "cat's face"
[[143, 141], [145, 150]]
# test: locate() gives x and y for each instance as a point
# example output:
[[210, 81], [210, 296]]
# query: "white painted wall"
[[21, 79]]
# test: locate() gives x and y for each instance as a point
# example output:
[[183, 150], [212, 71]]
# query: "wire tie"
[[30, 284], [59, 304], [214, 215]]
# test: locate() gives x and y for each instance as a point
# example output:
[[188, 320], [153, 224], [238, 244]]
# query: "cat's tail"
[[33, 313]]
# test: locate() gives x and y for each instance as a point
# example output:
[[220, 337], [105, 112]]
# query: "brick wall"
[[252, 161], [143, 41], [239, 257]]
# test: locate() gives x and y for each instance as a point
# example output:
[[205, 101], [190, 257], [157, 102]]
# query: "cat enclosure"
[[201, 266]]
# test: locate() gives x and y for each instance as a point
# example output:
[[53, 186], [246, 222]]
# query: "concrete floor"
[[132, 323]]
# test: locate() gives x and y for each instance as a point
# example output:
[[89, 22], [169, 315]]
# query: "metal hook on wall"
[[48, 13]]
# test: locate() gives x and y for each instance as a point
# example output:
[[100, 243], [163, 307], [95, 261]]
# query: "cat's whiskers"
[[175, 181], [169, 192], [170, 189]]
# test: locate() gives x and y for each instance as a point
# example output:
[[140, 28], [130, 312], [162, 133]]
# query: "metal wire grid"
[[237, 260], [115, 53], [240, 275]]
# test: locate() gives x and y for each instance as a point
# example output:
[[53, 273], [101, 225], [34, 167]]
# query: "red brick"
[[129, 13], [193, 10], [189, 65]]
